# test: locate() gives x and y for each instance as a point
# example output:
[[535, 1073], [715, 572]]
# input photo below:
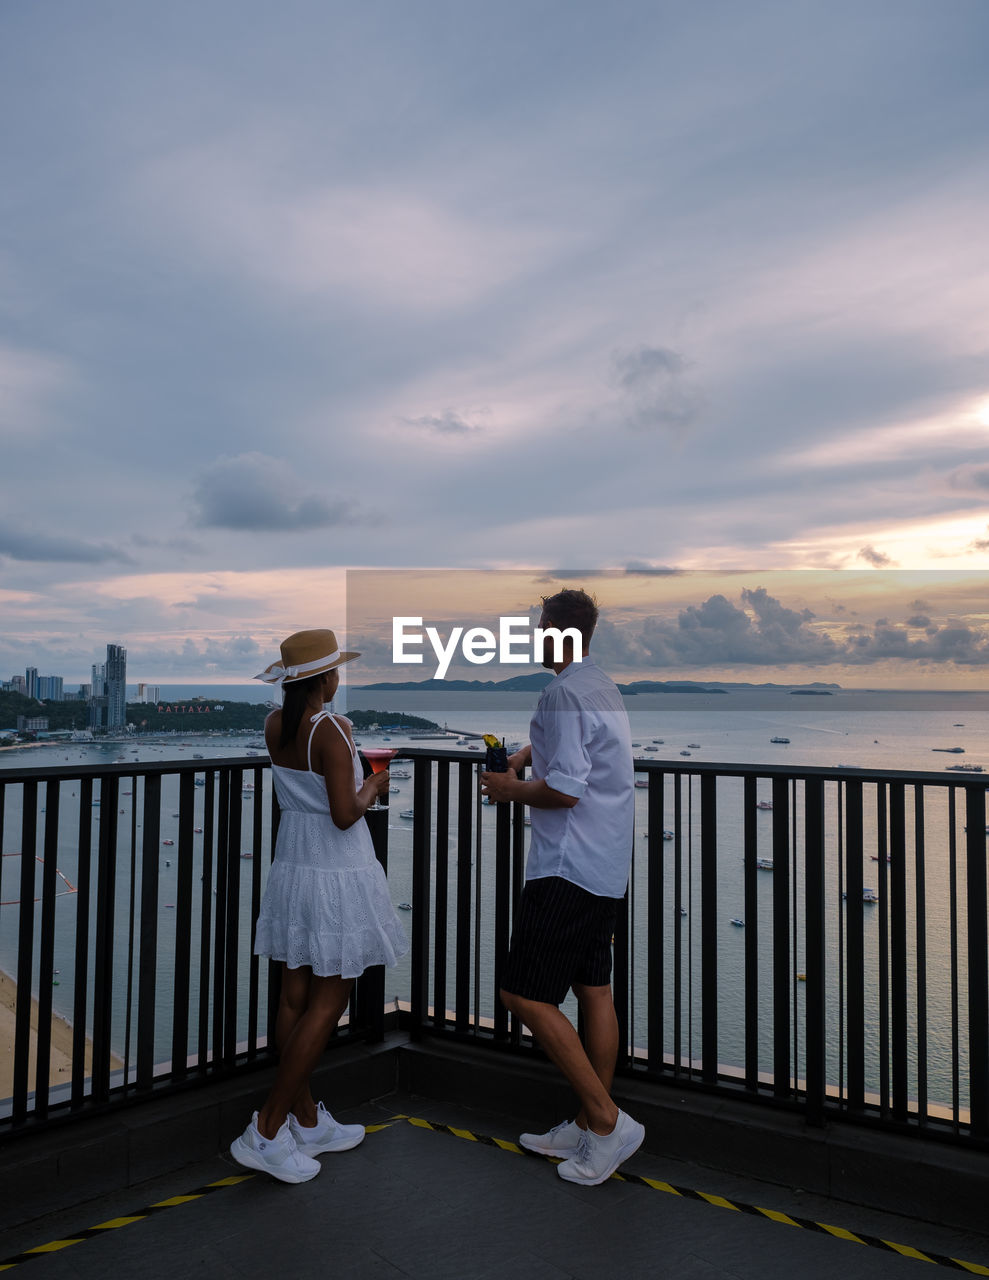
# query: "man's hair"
[[572, 608]]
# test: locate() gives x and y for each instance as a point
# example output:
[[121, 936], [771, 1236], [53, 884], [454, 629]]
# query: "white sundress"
[[326, 903]]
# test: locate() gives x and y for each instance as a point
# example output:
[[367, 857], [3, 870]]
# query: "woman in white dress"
[[326, 914]]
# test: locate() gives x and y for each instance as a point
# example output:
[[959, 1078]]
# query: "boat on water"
[[405, 906], [685, 753], [781, 741], [764, 864], [738, 922], [875, 857], [694, 746], [408, 814], [658, 741], [168, 841], [965, 768], [642, 782], [650, 748], [765, 805], [399, 773], [951, 751], [869, 895], [200, 782]]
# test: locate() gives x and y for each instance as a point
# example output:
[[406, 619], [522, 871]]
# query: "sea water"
[[879, 731]]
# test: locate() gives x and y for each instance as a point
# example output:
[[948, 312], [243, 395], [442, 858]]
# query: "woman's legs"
[[308, 1012]]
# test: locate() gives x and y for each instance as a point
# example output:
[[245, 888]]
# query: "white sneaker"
[[325, 1135], [277, 1156], [600, 1155], [562, 1140]]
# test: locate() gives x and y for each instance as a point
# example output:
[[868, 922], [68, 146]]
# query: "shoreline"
[[61, 1043]]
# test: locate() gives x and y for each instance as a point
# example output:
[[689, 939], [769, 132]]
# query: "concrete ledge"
[[77, 1162], [926, 1180], [73, 1163]]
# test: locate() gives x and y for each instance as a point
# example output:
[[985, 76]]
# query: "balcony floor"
[[415, 1202]]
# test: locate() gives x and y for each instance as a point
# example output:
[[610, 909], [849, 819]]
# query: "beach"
[[61, 1043]]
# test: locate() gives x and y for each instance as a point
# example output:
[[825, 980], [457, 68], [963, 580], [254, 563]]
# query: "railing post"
[[709, 928], [978, 978], [422, 800], [814, 944], [147, 984], [371, 986]]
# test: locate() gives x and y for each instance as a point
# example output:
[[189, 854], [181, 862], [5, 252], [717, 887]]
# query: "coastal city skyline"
[[650, 289]]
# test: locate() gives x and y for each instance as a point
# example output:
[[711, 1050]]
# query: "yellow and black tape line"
[[653, 1184], [125, 1220], [688, 1193]]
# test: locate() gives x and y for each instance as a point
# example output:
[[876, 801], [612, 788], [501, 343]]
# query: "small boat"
[[685, 753], [683, 911], [694, 746], [642, 782], [651, 748], [765, 805], [801, 977], [668, 835], [875, 857], [764, 864], [527, 821], [200, 782], [783, 741], [196, 756], [868, 895], [636, 744], [399, 773], [738, 922], [659, 741], [951, 751], [197, 831], [168, 841], [966, 768], [247, 855], [407, 813], [405, 906]]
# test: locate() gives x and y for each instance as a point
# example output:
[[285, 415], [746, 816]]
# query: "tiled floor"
[[415, 1202]]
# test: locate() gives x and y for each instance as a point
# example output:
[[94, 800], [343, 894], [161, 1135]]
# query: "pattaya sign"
[[194, 708]]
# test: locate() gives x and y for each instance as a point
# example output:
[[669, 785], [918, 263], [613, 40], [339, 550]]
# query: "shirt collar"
[[586, 661]]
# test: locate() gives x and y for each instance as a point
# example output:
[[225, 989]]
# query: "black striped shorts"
[[562, 935]]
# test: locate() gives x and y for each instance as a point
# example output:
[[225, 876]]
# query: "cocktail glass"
[[379, 758]]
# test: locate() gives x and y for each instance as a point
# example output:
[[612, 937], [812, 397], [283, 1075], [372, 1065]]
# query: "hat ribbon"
[[277, 673]]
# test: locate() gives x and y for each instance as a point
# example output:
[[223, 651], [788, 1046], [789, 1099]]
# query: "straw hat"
[[305, 654]]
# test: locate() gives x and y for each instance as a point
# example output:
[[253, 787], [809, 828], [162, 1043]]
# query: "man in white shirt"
[[582, 801]]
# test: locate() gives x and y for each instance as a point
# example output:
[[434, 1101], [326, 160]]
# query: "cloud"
[[28, 380], [878, 559], [655, 388], [979, 544], [24, 544], [719, 633], [446, 423], [256, 493], [918, 620]]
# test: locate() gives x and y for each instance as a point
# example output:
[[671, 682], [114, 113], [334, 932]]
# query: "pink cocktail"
[[379, 758]]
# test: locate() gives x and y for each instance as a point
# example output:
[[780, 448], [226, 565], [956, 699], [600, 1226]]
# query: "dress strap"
[[325, 715]]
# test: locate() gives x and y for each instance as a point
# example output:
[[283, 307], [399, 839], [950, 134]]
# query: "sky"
[[287, 291]]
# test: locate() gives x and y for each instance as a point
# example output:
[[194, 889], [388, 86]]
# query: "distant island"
[[536, 682]]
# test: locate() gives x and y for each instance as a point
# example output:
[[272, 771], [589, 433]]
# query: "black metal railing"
[[130, 892], [753, 955]]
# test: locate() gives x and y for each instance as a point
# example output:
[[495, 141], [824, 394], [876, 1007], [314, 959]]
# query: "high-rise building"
[[49, 689], [17, 684], [97, 697], [31, 682], [116, 686], [148, 692]]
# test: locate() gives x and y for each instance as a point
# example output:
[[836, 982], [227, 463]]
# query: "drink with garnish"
[[379, 758]]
